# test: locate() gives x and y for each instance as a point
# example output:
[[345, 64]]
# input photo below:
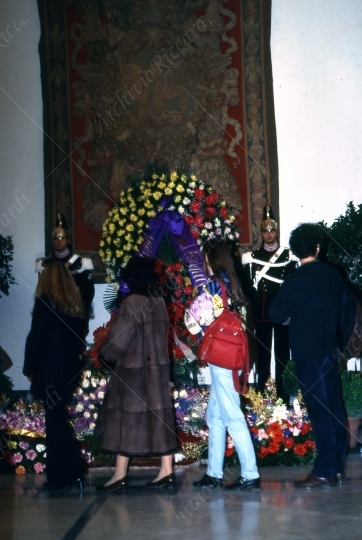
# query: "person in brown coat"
[[137, 415]]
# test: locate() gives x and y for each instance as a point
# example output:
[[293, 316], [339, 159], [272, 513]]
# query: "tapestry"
[[187, 82]]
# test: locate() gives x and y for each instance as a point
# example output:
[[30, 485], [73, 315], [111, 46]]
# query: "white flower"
[[212, 235], [92, 425], [176, 405], [175, 394], [190, 191], [186, 418], [280, 413], [227, 230], [101, 395], [102, 382], [230, 237], [194, 415], [217, 222], [79, 407], [181, 210], [85, 383], [91, 406], [192, 185], [171, 207], [87, 373], [218, 231], [208, 225], [94, 382], [178, 457], [204, 232], [183, 393], [201, 186], [185, 200], [227, 222], [236, 234], [92, 396], [296, 432], [40, 447], [79, 391], [86, 414], [95, 415]]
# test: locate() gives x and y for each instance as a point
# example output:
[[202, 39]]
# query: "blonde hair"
[[57, 283]]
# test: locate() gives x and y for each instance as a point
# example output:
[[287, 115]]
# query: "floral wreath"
[[201, 207]]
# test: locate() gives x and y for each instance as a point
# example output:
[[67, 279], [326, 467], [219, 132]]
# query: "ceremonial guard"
[[264, 270], [80, 267]]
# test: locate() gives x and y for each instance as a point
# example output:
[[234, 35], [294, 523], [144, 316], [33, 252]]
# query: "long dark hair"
[[57, 283], [140, 275], [220, 260]]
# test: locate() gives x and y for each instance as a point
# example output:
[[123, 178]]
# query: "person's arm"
[[122, 333], [280, 307], [35, 337]]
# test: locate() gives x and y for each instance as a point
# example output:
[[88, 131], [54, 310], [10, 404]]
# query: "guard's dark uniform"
[[261, 292]]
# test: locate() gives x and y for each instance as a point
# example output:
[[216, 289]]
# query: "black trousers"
[[64, 462], [321, 392], [264, 332]]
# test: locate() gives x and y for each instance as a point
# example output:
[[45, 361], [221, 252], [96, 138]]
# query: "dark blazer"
[[52, 351]]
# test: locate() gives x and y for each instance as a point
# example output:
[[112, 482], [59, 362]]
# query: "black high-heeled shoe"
[[165, 482], [67, 486], [122, 484]]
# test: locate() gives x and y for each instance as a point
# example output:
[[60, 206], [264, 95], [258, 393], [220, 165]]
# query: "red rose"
[[209, 212], [195, 207], [195, 233], [199, 194], [188, 219], [168, 269], [177, 293], [200, 221], [177, 267], [179, 280], [224, 213]]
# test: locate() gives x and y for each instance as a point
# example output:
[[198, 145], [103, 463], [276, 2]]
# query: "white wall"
[[317, 74]]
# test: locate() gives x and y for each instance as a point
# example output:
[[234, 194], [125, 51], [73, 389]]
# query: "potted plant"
[[6, 279], [352, 397]]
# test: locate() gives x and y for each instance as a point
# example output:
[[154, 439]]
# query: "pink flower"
[[24, 445], [17, 458], [39, 467], [31, 454]]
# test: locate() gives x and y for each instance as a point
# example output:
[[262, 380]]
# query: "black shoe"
[[243, 483], [315, 482], [165, 482], [67, 486], [208, 481], [121, 484]]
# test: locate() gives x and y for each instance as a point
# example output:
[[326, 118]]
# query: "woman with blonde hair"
[[53, 366]]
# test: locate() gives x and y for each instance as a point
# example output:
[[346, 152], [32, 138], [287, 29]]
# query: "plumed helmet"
[[268, 223], [61, 229]]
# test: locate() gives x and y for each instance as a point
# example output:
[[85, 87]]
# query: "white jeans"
[[224, 414]]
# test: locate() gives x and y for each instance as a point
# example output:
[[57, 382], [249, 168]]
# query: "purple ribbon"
[[185, 244]]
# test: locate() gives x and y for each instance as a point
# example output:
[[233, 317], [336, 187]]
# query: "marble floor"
[[277, 512]]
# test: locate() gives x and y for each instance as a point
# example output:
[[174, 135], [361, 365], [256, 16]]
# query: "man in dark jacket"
[[310, 301], [264, 271]]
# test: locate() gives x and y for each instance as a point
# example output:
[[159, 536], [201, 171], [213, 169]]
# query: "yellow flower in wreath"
[[141, 211], [108, 252], [173, 176], [157, 195], [119, 253], [168, 191], [140, 223], [133, 217], [111, 227], [180, 188], [108, 239], [151, 213], [178, 198], [123, 210], [121, 232], [129, 227], [161, 185], [101, 253]]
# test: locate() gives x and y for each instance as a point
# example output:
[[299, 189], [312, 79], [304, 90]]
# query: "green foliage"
[[290, 379], [6, 255], [345, 242], [352, 393]]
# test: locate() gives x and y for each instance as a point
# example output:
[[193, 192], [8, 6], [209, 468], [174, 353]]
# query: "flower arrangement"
[[281, 435], [24, 419], [87, 401], [201, 207], [27, 455], [190, 410]]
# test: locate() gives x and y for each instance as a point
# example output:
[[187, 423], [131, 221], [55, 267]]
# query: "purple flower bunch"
[[190, 409]]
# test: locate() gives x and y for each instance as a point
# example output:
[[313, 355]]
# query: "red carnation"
[[209, 212], [199, 194], [188, 219], [200, 221], [168, 269], [177, 267], [300, 449], [195, 233], [288, 442], [177, 293], [179, 280], [188, 290], [195, 207], [224, 213], [212, 198]]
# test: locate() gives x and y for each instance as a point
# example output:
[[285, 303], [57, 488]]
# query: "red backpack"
[[225, 344]]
